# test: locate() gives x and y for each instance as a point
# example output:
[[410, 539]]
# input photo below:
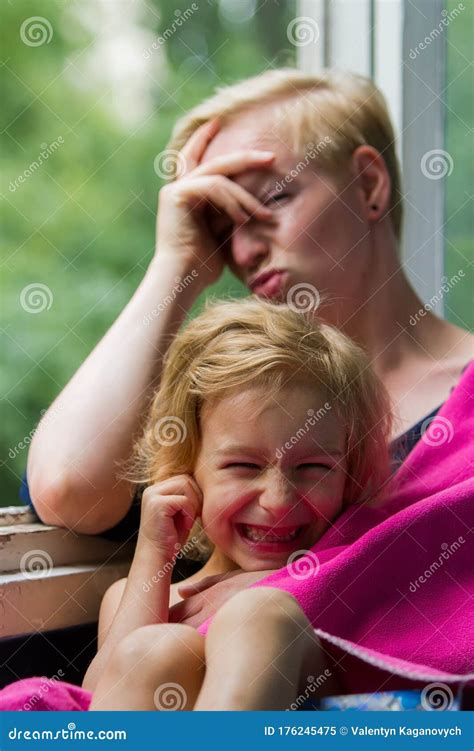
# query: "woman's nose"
[[278, 494], [248, 247]]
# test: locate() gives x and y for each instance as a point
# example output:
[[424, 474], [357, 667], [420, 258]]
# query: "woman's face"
[[272, 478], [318, 233]]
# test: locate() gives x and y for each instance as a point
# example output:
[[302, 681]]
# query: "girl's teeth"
[[258, 536]]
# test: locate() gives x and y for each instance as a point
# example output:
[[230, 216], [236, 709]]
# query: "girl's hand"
[[193, 588], [210, 593], [182, 228], [169, 509]]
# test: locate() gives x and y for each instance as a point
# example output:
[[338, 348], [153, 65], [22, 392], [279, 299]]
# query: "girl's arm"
[[169, 509], [140, 605]]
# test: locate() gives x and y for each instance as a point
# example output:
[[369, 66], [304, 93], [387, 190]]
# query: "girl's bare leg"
[[261, 653], [155, 667]]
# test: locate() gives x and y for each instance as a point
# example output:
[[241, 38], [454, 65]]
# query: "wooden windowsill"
[[50, 577]]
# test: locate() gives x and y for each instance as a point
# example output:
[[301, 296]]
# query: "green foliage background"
[[83, 223]]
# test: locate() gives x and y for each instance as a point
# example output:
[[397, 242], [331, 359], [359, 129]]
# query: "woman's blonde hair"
[[326, 116], [237, 344]]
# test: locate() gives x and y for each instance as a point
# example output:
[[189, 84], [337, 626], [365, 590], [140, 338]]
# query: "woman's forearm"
[[145, 601], [72, 463]]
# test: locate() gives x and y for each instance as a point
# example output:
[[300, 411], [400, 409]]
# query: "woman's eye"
[[223, 235], [276, 198]]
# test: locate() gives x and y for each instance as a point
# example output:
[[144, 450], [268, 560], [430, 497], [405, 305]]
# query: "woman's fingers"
[[225, 195], [227, 200], [196, 145], [236, 162], [251, 204]]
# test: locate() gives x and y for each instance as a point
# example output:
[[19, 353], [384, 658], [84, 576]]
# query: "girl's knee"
[[161, 666], [170, 646]]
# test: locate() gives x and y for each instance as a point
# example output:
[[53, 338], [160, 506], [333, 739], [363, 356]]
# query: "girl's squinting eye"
[[244, 465], [313, 465]]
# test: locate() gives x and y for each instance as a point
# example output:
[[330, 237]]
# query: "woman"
[[289, 179]]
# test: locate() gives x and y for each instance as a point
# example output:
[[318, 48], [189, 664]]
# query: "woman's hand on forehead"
[[230, 163], [184, 236]]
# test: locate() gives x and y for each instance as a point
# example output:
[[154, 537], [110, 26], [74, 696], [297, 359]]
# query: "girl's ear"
[[370, 171]]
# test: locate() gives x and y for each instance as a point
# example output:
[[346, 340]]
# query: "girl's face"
[[272, 478]]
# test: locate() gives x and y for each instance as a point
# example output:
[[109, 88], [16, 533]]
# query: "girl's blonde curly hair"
[[236, 344]]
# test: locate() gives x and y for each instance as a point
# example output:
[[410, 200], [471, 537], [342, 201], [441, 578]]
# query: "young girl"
[[265, 426]]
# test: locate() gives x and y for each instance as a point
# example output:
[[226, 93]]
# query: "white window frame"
[[381, 35]]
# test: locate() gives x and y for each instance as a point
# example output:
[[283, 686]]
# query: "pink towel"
[[389, 589], [43, 695]]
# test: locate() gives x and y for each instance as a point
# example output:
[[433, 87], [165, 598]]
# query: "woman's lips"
[[271, 540], [270, 286]]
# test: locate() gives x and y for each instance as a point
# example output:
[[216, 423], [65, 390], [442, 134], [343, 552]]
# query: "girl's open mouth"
[[270, 539]]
